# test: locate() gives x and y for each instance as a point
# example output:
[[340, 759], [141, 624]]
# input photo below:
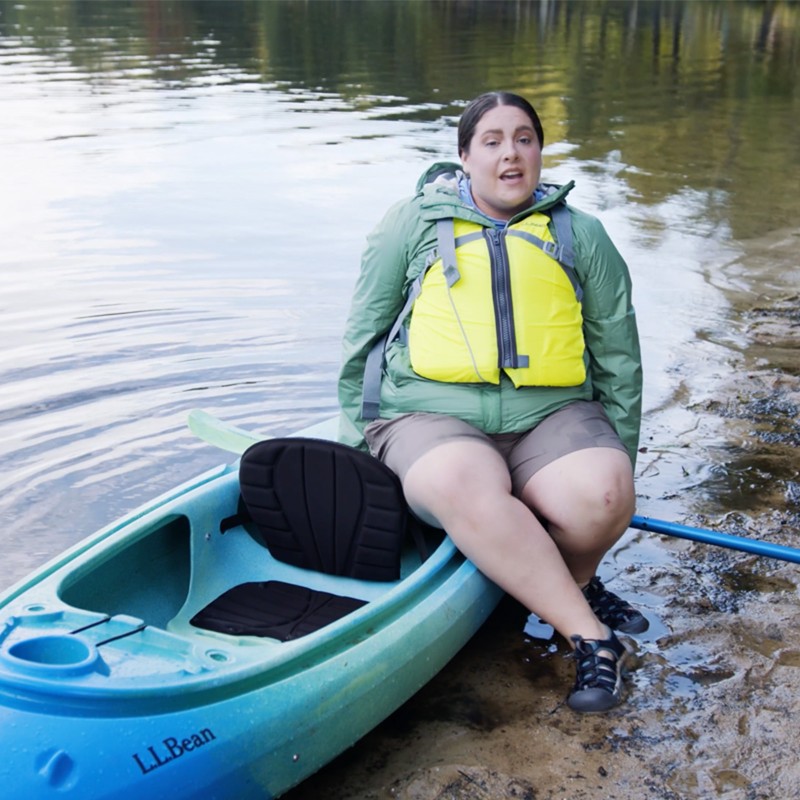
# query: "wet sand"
[[713, 691]]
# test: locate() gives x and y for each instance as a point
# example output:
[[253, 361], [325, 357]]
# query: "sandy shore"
[[713, 693]]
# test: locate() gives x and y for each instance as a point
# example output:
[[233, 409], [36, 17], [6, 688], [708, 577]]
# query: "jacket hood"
[[438, 189]]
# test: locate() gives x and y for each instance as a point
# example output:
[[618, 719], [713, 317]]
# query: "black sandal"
[[612, 610], [598, 679]]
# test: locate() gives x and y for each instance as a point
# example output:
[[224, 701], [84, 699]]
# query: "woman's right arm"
[[377, 300]]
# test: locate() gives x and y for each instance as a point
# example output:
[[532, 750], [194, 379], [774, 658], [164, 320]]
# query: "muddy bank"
[[713, 693], [711, 707]]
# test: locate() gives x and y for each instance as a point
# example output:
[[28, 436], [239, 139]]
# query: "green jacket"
[[397, 252]]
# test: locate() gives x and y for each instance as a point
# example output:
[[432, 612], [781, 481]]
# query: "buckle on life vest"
[[553, 250]]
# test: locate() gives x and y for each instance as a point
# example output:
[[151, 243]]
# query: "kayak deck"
[[119, 619]]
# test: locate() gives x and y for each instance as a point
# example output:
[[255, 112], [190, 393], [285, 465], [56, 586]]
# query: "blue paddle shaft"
[[720, 539]]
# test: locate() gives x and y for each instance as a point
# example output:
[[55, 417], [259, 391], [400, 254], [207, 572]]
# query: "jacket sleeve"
[[377, 300], [612, 337]]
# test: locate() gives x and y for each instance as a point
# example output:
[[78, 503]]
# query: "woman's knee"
[[613, 498], [611, 489], [592, 487]]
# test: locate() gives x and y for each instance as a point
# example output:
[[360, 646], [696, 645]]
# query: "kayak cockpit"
[[116, 618], [249, 564], [330, 526]]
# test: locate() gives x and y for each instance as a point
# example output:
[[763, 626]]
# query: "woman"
[[491, 359]]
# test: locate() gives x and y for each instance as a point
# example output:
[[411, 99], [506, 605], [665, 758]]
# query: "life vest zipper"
[[501, 297]]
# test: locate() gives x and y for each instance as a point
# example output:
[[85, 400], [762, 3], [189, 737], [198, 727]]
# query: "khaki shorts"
[[581, 425]]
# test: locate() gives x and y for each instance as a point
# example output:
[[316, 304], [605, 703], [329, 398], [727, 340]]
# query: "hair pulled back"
[[486, 102]]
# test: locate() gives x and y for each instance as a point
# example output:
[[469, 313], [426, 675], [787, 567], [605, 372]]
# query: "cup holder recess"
[[53, 654]]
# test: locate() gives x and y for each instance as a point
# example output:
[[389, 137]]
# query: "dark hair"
[[474, 112]]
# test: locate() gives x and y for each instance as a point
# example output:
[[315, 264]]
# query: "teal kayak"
[[109, 689]]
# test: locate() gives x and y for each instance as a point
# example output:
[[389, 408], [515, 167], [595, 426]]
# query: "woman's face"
[[504, 162]]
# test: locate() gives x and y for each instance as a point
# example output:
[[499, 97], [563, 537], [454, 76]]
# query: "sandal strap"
[[598, 673], [594, 669], [610, 608]]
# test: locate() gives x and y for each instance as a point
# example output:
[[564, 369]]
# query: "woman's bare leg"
[[588, 499], [466, 486]]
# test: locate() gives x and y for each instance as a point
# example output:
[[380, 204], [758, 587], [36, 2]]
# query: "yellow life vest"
[[506, 304]]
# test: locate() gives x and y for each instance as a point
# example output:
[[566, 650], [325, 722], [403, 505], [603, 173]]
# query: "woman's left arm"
[[612, 338]]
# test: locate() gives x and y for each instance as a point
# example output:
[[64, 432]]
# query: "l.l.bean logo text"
[[172, 748]]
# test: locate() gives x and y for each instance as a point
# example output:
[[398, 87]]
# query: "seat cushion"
[[274, 609]]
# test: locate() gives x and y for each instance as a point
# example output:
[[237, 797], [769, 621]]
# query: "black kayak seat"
[[321, 506]]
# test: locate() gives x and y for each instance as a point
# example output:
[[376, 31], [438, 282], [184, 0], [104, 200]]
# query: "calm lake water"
[[187, 188]]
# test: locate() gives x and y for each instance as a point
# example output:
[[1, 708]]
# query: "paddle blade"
[[221, 434]]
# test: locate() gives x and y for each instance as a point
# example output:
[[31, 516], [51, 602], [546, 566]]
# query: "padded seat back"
[[325, 506]]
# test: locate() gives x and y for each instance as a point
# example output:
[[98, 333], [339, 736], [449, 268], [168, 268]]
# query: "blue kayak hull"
[[108, 691]]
